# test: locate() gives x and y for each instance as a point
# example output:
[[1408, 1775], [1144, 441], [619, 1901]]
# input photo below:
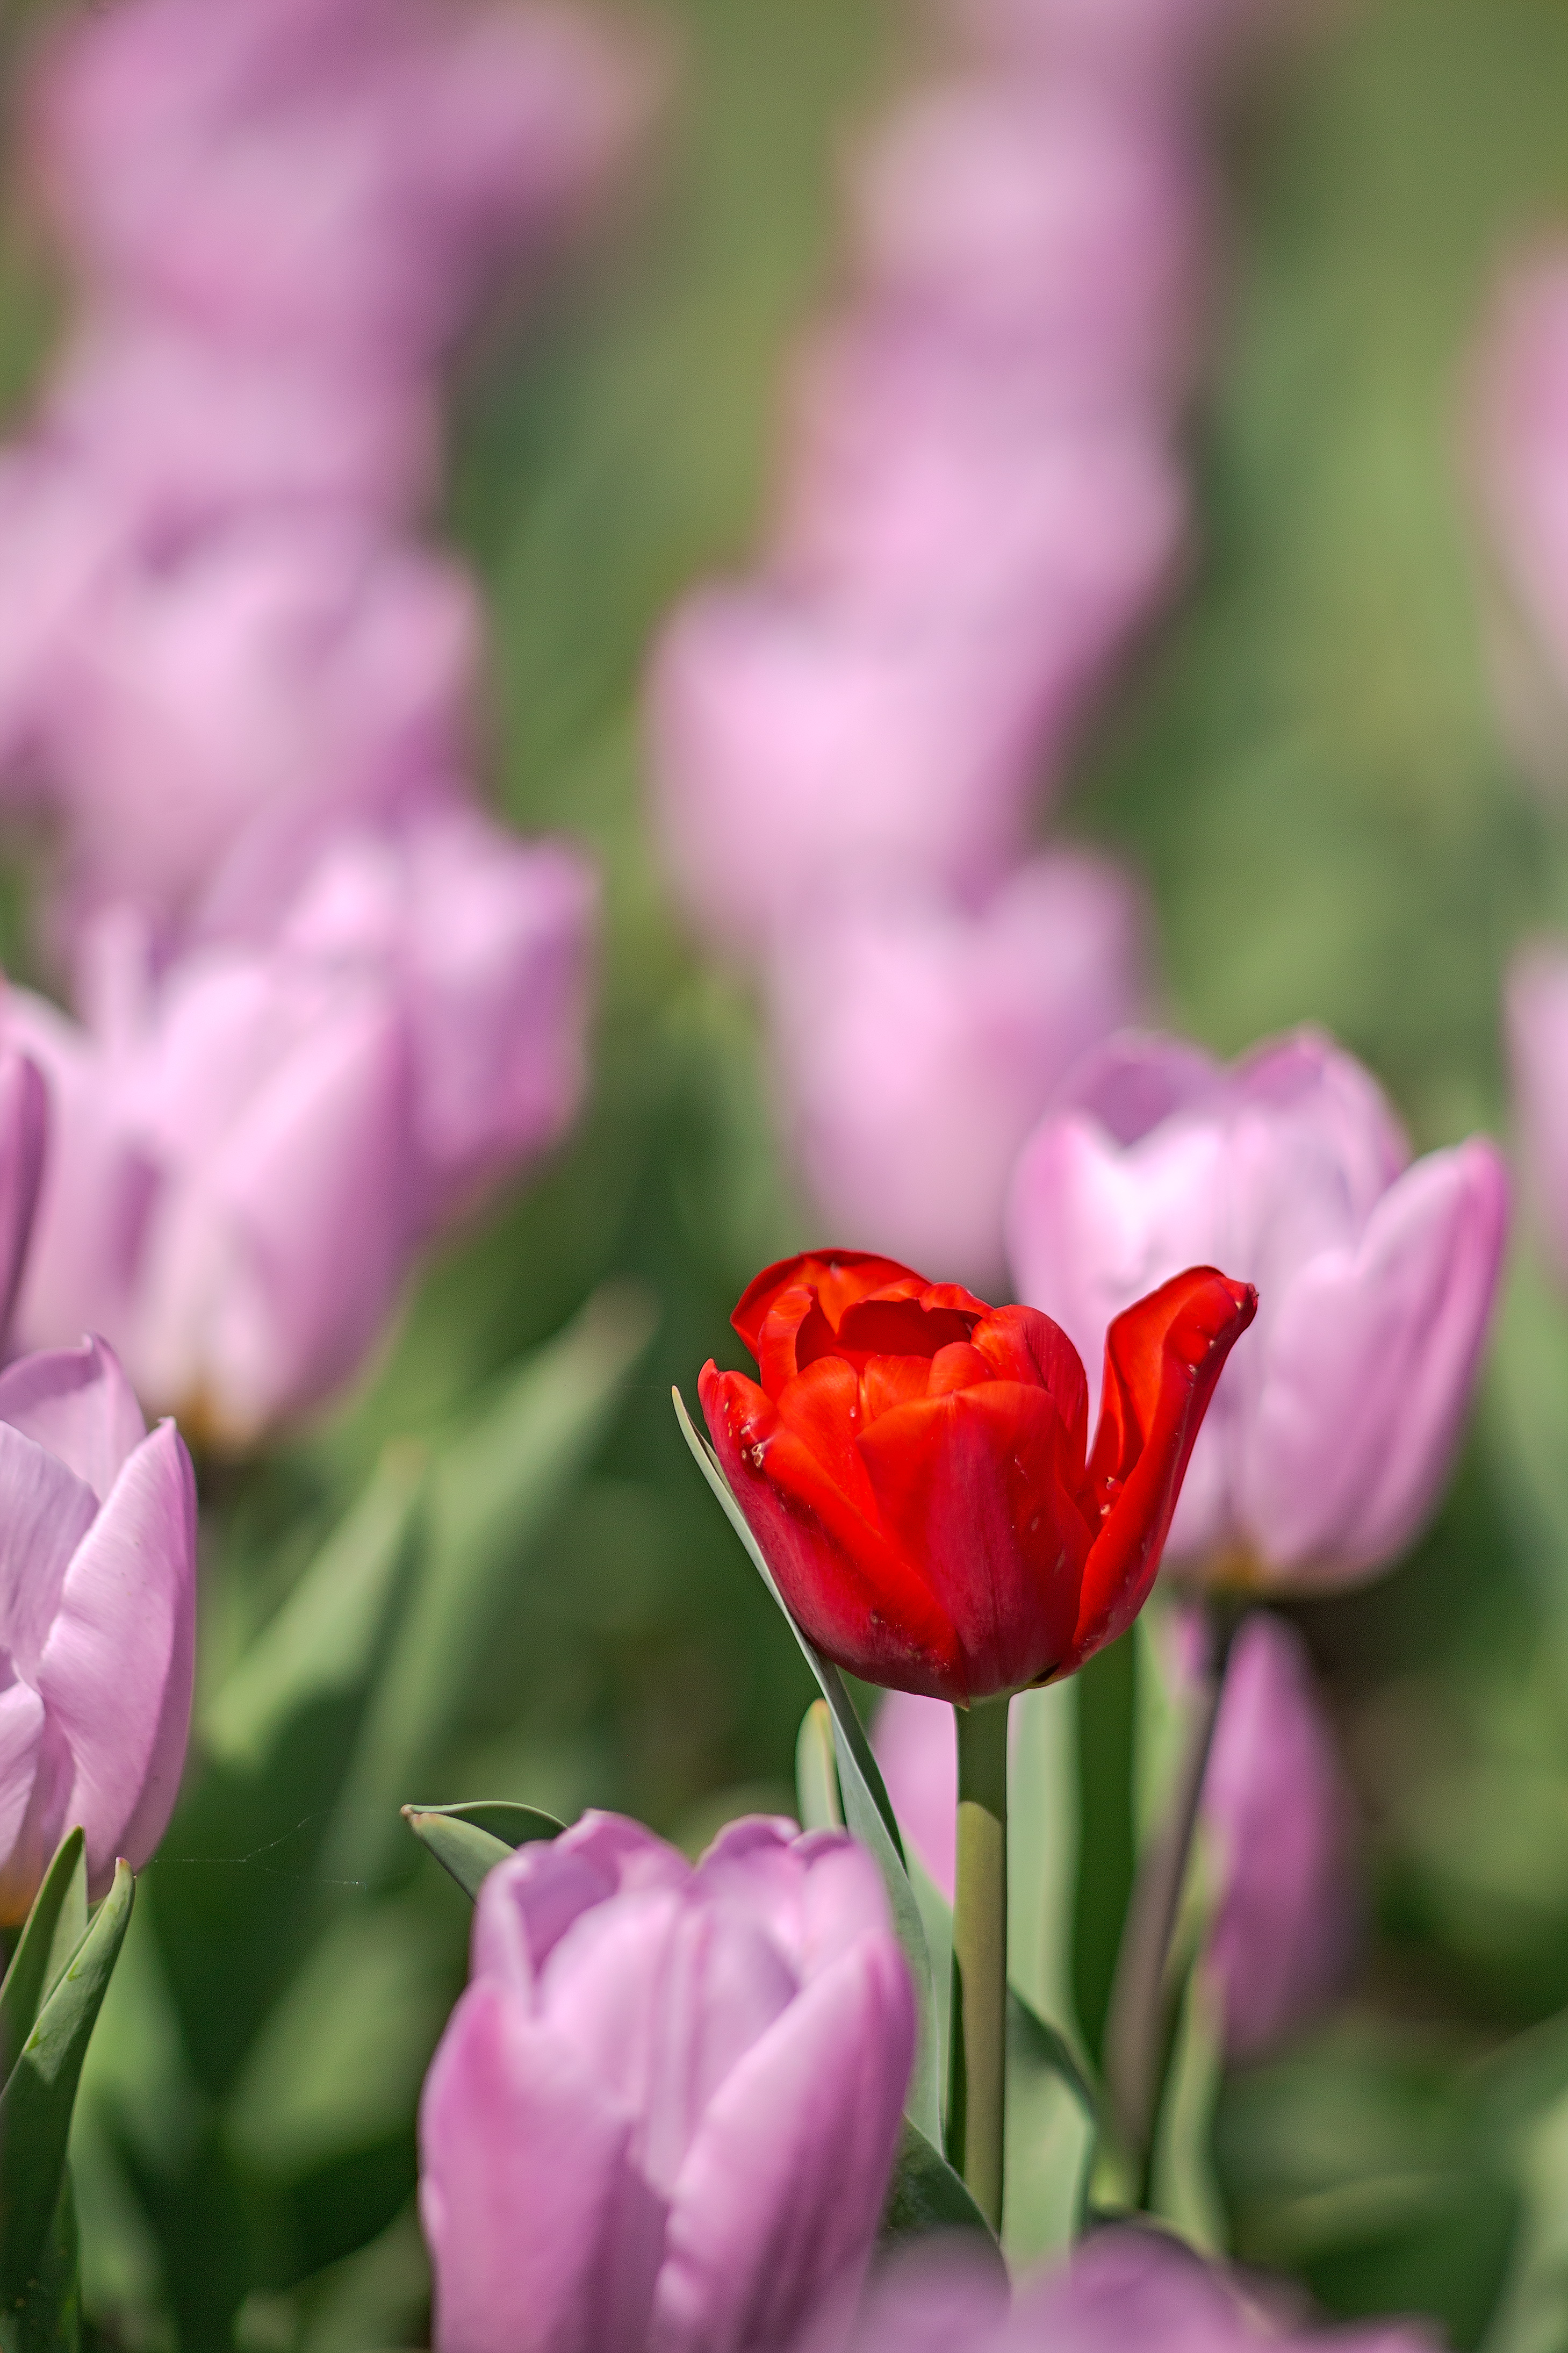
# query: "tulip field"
[[784, 1176]]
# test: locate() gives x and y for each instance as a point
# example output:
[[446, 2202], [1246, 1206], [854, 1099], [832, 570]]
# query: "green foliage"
[[469, 1841]]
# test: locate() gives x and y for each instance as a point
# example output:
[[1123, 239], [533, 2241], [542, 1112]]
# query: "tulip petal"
[[839, 1278], [23, 1123], [78, 1403], [542, 2237], [1020, 1343], [819, 1892], [971, 1488], [1369, 1367], [527, 1905], [778, 2201], [44, 1511], [116, 1672], [845, 1585], [21, 1730], [1163, 1357]]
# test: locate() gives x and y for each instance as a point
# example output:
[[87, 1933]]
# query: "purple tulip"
[[24, 1132], [1518, 458], [1050, 217], [250, 1149], [1332, 1429], [663, 2112], [1126, 2290], [1278, 1811], [334, 175], [278, 681], [917, 1045], [97, 1618]]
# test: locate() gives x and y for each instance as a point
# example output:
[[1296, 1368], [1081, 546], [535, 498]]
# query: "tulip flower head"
[[1376, 1279], [915, 1465], [97, 1618], [663, 2112]]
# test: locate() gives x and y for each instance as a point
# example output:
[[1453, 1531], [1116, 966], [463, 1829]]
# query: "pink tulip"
[[1052, 218], [934, 479], [1518, 456], [663, 2112], [97, 1620], [1278, 1811], [24, 1135], [1538, 1052], [1126, 2290], [274, 682], [250, 1149], [336, 175], [1163, 46], [1332, 1431], [917, 1044]]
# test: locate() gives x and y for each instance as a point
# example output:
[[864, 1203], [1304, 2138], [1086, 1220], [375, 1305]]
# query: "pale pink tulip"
[[917, 1043], [97, 1618], [1334, 1429], [663, 2117]]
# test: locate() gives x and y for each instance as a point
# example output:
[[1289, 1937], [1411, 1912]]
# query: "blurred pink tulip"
[[1538, 1054], [934, 481], [274, 682], [1126, 2290], [665, 2112], [1334, 1427], [336, 175], [249, 1150], [1166, 48], [97, 1618], [917, 1044], [797, 739], [24, 1140], [1518, 462], [1278, 1810], [1051, 217]]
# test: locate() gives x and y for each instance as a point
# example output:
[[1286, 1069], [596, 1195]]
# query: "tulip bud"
[[916, 1045], [665, 2111], [97, 1618], [1335, 1429], [916, 1470]]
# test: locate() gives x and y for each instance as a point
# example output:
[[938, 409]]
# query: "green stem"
[[978, 2070], [1138, 2033]]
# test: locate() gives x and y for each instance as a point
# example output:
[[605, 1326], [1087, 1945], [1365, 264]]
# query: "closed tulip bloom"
[[1050, 216], [917, 1042], [663, 2114], [915, 1465], [797, 736], [1125, 2290], [1376, 1276], [333, 174], [1279, 1815], [293, 675], [97, 1620]]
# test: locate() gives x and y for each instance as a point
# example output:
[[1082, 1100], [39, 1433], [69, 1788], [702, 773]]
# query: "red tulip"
[[915, 1465]]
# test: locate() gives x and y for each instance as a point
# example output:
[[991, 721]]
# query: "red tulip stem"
[[1137, 2032], [977, 2075]]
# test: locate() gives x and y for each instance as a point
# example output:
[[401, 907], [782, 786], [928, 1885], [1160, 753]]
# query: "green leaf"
[[55, 1928], [1183, 2190], [491, 1492], [926, 2195], [868, 1811], [1051, 2129], [469, 1841], [816, 1771], [36, 2115], [47, 2317], [323, 1641]]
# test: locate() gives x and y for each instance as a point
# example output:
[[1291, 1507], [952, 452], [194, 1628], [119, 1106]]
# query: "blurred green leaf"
[[867, 1810], [1184, 2191], [492, 1490], [816, 1771], [926, 2195], [469, 1841], [37, 2234], [323, 1641], [53, 1928], [1051, 2123]]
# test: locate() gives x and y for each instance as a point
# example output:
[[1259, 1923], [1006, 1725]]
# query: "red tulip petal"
[[899, 1328], [970, 1486], [839, 1278], [888, 1381], [844, 1582], [1163, 1357], [958, 1366], [823, 1407], [1021, 1344]]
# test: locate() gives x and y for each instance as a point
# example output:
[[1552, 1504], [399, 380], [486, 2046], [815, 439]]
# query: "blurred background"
[[1301, 756]]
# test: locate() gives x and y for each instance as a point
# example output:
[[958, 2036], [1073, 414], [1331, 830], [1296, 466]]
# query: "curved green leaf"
[[868, 1811], [56, 1927], [469, 1841], [926, 2195]]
